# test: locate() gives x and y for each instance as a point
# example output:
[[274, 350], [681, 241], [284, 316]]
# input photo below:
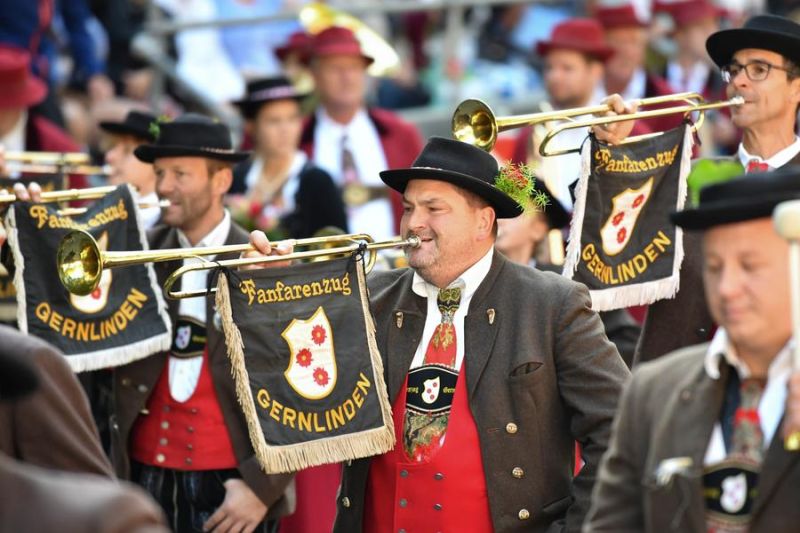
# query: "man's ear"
[[221, 181], [486, 222]]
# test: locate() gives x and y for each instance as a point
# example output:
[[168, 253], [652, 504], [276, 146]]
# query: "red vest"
[[183, 436], [446, 494]]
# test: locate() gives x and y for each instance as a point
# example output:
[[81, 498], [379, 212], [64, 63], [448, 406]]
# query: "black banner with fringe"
[[124, 319], [308, 373], [622, 245]]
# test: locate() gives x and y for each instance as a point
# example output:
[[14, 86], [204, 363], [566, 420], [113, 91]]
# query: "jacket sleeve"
[[53, 427], [616, 499], [591, 375]]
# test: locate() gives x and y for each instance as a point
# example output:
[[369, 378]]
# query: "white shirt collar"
[[216, 237], [472, 278], [360, 119], [720, 347], [776, 161], [692, 81]]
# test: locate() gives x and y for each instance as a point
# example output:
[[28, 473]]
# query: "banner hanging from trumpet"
[[123, 319], [308, 373], [622, 245]]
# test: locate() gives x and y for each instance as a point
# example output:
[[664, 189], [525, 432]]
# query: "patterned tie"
[[424, 432], [748, 439], [755, 165], [349, 170]]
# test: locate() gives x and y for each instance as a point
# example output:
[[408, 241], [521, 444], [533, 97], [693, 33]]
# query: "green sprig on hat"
[[155, 127], [517, 181]]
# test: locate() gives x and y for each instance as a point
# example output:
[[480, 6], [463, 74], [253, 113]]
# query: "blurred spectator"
[[691, 70], [136, 129], [293, 55], [354, 143], [20, 128], [278, 190], [573, 64], [203, 61], [29, 25], [251, 47], [626, 34], [122, 19]]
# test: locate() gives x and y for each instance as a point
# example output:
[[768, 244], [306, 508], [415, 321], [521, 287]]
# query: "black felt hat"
[[462, 165], [191, 135], [744, 198], [262, 91], [136, 123], [766, 32]]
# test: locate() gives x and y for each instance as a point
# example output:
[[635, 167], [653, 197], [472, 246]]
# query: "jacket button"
[[126, 382], [190, 429], [404, 473], [403, 503], [160, 458], [438, 476], [164, 425], [524, 514], [145, 411], [188, 460], [702, 332], [142, 388], [511, 428], [437, 506], [345, 502], [517, 472], [162, 441]]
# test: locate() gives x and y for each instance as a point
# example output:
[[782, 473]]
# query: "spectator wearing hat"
[[351, 141], [290, 195], [691, 70], [524, 240], [178, 427], [293, 55], [760, 63], [37, 493], [136, 129], [492, 449], [573, 64], [698, 442], [20, 128], [627, 34]]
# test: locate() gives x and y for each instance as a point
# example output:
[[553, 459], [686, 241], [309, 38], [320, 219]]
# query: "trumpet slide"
[[80, 262]]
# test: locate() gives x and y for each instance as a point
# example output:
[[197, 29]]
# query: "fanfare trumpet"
[[70, 195], [475, 123], [53, 163], [80, 262]]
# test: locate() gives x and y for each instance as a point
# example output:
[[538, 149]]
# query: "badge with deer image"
[[95, 301], [312, 363]]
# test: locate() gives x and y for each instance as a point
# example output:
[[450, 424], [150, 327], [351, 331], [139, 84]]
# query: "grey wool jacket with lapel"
[[540, 375], [668, 411]]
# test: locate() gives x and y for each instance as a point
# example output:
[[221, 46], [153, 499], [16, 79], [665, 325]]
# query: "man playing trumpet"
[[531, 368]]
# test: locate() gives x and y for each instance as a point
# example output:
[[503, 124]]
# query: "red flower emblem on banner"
[[618, 218], [321, 376], [621, 234], [304, 357], [638, 201], [318, 335]]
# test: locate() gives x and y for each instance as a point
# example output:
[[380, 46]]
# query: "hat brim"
[[723, 44], [600, 53], [730, 212], [150, 152], [504, 206], [249, 108], [118, 128], [34, 92]]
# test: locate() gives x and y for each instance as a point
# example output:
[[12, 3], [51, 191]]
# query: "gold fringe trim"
[[294, 457]]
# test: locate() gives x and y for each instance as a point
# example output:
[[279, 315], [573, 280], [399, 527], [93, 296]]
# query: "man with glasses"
[[759, 62]]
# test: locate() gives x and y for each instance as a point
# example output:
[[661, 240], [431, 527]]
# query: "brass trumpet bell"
[[79, 262]]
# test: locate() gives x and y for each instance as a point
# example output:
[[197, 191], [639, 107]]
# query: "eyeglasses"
[[755, 70]]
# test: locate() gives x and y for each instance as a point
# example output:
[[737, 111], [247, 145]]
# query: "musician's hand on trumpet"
[[259, 241], [616, 132], [31, 193]]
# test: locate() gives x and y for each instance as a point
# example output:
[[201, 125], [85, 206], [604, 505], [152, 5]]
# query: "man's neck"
[[617, 85], [212, 219], [341, 115], [759, 359], [766, 142], [442, 279]]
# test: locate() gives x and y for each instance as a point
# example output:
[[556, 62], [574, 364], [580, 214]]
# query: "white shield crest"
[[431, 390], [626, 207], [734, 493], [312, 364], [182, 337], [96, 300]]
